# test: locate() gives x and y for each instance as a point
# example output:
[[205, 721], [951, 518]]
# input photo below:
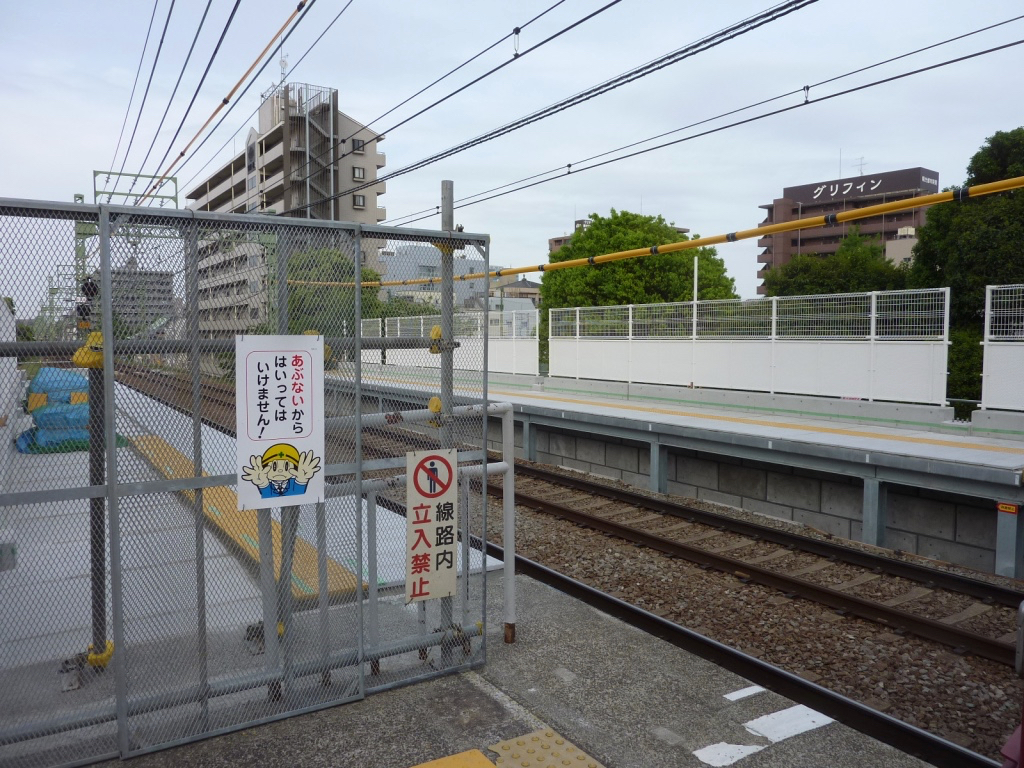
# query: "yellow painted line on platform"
[[474, 758], [795, 427], [240, 528], [753, 422]]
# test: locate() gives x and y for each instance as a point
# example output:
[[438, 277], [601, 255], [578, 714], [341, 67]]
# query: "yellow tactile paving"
[[474, 758], [635, 408], [239, 527], [542, 749]]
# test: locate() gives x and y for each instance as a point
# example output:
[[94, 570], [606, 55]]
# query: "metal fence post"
[[447, 359], [873, 341], [577, 342], [775, 335], [191, 255], [986, 340], [508, 510], [116, 572], [357, 500]]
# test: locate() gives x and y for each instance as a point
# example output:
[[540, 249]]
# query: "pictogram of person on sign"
[[282, 471]]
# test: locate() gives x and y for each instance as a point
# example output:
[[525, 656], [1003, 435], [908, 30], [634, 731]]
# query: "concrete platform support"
[[529, 440], [659, 467], [875, 514], [1008, 533]]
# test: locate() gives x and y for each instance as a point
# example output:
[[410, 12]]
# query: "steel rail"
[[930, 629], [983, 590], [885, 728]]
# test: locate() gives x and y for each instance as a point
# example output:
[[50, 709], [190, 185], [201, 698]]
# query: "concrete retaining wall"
[[947, 527]]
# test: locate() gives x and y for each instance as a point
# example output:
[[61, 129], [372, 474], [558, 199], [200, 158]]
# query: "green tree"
[[978, 242], [24, 331], [662, 277], [653, 279], [858, 265], [969, 245], [329, 309]]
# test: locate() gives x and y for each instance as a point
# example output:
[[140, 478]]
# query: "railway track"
[[963, 613], [737, 582]]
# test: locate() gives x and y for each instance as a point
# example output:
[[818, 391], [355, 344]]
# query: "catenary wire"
[[195, 94], [425, 88], [253, 113], [131, 98], [245, 90], [746, 25], [174, 93], [227, 99], [805, 89], [142, 104], [711, 41], [751, 120]]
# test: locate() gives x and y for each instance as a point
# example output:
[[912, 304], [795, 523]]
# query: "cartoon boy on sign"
[[282, 471]]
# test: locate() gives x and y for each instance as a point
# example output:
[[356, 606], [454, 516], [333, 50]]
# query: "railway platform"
[[902, 476], [613, 695]]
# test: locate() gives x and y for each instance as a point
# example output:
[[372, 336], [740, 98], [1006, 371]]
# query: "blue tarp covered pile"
[[58, 403]]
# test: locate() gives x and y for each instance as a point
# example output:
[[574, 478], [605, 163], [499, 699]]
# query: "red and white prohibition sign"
[[433, 476]]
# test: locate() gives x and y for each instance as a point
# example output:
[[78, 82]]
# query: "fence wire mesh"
[[889, 315], [1005, 318], [141, 606]]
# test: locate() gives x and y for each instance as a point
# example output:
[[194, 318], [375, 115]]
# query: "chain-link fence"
[[140, 606]]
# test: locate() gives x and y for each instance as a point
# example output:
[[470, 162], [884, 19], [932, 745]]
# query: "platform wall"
[[900, 371], [948, 527]]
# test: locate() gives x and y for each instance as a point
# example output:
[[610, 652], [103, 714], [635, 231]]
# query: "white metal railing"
[[886, 345], [513, 341], [892, 315], [1003, 344]]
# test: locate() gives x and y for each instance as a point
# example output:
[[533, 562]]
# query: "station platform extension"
[[879, 446], [614, 695]]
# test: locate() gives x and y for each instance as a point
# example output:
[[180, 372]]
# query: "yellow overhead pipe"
[[910, 203]]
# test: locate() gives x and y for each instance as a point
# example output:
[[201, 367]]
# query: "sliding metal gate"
[[139, 608]]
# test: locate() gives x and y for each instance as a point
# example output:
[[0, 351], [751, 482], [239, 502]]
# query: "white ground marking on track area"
[[789, 722], [774, 727], [742, 693], [722, 754]]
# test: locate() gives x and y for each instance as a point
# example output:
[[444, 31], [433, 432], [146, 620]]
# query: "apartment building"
[[307, 159], [897, 230]]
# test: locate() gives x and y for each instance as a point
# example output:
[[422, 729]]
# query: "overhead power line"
[[138, 71], [747, 25], [577, 170], [246, 89], [227, 99], [142, 104], [514, 33], [559, 169], [199, 87], [174, 93]]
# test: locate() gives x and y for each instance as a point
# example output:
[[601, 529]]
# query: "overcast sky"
[[70, 68]]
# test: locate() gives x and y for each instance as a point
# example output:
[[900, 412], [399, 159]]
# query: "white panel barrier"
[[1003, 371], [371, 328], [874, 346], [513, 345]]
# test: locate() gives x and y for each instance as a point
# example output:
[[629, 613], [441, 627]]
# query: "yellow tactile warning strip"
[[474, 758], [634, 408], [542, 749], [239, 527]]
